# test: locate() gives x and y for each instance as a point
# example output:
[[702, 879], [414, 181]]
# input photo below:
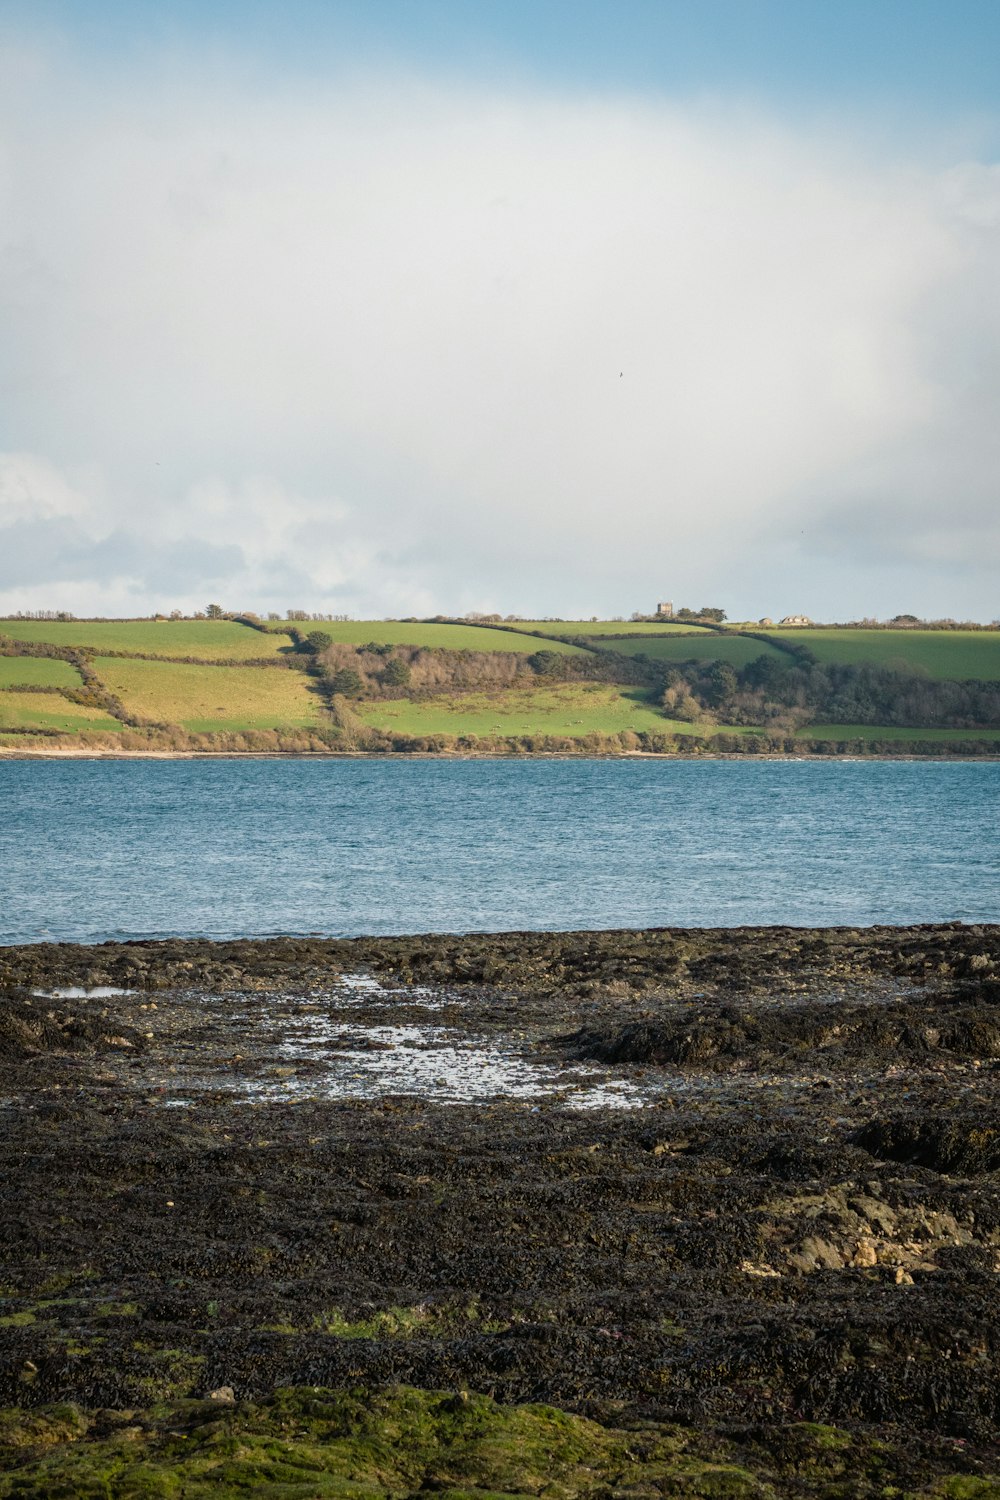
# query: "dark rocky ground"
[[728, 1200]]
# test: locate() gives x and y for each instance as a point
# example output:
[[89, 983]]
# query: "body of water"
[[91, 850]]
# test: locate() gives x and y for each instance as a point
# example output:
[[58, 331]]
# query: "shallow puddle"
[[310, 1046], [438, 1063], [365, 989], [82, 992]]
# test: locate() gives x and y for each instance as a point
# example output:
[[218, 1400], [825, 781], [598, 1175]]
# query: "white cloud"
[[32, 489], [395, 347]]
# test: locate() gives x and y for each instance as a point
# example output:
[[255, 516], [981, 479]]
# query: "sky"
[[409, 307]]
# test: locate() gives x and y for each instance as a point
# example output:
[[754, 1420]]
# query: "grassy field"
[[201, 699], [50, 711], [570, 710], [37, 671], [208, 639], [891, 732], [609, 627], [736, 649], [955, 654], [454, 637]]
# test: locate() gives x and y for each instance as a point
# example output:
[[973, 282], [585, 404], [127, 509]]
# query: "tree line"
[[788, 692]]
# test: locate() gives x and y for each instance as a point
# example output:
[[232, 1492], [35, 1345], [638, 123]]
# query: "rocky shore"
[[703, 1212]]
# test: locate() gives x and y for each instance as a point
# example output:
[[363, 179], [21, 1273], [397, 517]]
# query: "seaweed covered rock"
[[32, 1025], [768, 1250], [965, 1147], [834, 1033]]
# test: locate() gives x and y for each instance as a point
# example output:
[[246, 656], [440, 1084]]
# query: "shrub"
[[347, 682], [395, 673]]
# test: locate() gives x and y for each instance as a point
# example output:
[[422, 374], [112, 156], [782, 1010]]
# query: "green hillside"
[[950, 654], [207, 639], [606, 627], [430, 634], [706, 646], [565, 711], [385, 685], [203, 699], [38, 671], [48, 711]]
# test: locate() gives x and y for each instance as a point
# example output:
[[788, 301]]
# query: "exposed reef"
[[682, 1212]]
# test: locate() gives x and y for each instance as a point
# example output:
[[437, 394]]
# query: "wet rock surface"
[[736, 1181]]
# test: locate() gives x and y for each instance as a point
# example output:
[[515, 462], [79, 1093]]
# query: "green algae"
[[404, 1322], [315, 1444], [393, 1322]]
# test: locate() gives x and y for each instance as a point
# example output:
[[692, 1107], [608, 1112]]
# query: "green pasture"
[[38, 671], [569, 710], [209, 639], [891, 732], [454, 637], [609, 627], [954, 654], [737, 650], [202, 699], [50, 711]]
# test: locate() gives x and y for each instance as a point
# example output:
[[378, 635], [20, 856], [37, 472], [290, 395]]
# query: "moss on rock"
[[315, 1444]]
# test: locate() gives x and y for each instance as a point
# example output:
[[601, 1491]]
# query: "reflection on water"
[[82, 992], [366, 1062]]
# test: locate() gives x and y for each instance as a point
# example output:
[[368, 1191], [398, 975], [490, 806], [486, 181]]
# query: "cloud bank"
[[393, 346]]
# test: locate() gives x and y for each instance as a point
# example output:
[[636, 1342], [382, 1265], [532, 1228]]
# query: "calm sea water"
[[122, 849]]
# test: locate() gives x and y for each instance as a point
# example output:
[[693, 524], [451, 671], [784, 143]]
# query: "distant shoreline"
[[10, 752]]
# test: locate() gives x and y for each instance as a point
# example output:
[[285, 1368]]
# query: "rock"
[[865, 1254], [815, 1254], [875, 1212], [750, 1268], [225, 1394]]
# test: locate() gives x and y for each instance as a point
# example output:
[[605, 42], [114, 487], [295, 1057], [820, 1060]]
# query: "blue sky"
[[417, 305], [916, 55]]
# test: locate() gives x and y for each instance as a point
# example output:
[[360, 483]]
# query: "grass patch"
[[735, 649], [38, 671], [50, 711], [207, 639], [569, 711], [202, 699], [891, 732], [453, 637], [956, 655]]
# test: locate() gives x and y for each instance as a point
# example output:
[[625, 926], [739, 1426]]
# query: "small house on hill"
[[796, 620]]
